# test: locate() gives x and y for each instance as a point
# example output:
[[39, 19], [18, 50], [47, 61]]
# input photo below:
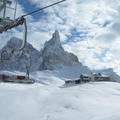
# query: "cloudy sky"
[[88, 28]]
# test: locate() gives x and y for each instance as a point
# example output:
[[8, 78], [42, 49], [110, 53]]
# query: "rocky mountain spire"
[[56, 36], [54, 55], [54, 41]]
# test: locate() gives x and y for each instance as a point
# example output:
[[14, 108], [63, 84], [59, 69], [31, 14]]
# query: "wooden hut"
[[15, 79]]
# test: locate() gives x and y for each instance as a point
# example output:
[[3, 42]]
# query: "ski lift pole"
[[24, 35], [15, 9], [23, 21], [4, 9]]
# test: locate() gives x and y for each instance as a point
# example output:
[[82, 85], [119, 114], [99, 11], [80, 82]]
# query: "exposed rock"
[[18, 61], [54, 56]]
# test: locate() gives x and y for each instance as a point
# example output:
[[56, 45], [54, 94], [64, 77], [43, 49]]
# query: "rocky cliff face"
[[19, 61], [54, 56]]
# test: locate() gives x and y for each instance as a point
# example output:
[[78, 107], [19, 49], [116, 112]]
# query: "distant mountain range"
[[51, 57]]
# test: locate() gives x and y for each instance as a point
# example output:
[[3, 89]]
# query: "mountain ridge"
[[51, 57], [54, 55]]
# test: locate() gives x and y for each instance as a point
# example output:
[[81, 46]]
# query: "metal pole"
[[5, 2], [25, 35], [15, 9]]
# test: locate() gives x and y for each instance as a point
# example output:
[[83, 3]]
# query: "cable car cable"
[[43, 8]]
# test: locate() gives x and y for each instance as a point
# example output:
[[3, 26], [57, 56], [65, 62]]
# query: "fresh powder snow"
[[50, 99]]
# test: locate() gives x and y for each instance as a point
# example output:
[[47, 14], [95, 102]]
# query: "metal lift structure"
[[7, 23]]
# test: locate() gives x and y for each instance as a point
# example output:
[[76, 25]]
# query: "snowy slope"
[[53, 101]]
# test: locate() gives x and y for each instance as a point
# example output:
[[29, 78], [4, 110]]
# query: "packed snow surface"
[[50, 99]]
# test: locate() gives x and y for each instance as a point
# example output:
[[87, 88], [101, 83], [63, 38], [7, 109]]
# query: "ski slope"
[[50, 99]]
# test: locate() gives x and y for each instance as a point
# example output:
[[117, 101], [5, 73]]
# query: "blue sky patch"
[[29, 7]]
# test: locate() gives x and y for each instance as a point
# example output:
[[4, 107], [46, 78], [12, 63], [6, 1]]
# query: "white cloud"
[[100, 50]]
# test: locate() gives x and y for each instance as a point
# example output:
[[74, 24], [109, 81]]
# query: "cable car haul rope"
[[6, 23]]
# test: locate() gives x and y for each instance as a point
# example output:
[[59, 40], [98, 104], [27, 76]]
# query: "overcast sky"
[[88, 28]]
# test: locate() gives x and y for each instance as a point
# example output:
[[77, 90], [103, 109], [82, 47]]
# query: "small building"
[[96, 77], [84, 78], [99, 77], [5, 78]]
